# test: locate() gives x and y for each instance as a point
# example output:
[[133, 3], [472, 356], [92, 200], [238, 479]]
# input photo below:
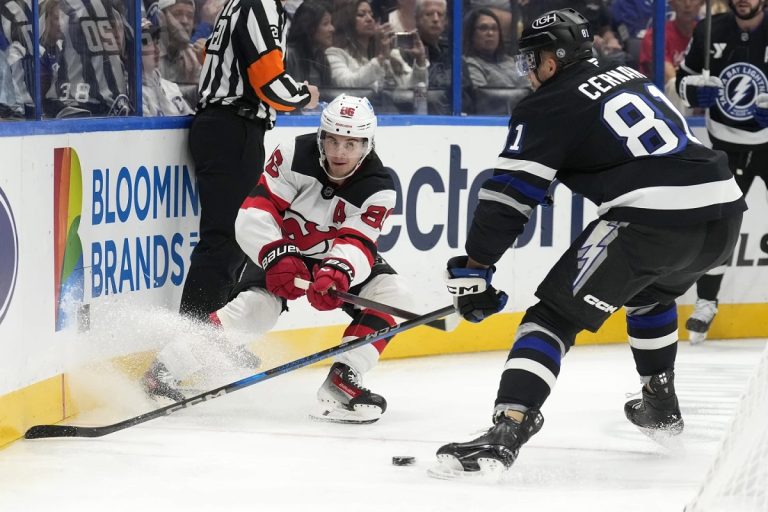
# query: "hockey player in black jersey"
[[669, 210], [736, 98]]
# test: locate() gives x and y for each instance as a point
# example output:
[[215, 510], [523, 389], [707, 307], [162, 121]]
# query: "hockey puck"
[[403, 460]]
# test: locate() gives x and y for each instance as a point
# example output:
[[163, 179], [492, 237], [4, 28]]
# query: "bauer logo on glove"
[[284, 249]]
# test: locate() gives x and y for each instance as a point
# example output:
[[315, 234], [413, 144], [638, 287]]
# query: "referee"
[[242, 84]]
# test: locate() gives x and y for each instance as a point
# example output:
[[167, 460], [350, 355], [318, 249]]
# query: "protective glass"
[[525, 62]]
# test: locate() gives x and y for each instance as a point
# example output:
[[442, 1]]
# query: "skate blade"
[[448, 467], [360, 416], [696, 338], [669, 438]]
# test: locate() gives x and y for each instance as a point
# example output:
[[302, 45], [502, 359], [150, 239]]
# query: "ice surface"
[[256, 450]]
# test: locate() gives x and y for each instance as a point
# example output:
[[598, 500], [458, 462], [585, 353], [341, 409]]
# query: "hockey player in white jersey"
[[315, 214]]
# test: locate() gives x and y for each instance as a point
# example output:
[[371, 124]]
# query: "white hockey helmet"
[[350, 116]]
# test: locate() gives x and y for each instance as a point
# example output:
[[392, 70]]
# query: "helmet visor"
[[525, 62]]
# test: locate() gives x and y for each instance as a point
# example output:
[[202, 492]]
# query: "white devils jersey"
[[295, 200]]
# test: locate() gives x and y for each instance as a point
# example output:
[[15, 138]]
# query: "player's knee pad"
[[542, 317], [717, 271], [388, 289], [533, 364], [653, 326], [254, 311]]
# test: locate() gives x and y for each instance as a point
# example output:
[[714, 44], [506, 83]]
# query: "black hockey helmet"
[[565, 32]]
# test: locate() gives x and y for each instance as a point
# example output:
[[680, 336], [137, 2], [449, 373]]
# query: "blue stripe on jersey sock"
[[657, 319], [539, 345]]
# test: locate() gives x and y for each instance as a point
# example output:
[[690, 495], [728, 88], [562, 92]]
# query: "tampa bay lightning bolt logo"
[[742, 83], [9, 254]]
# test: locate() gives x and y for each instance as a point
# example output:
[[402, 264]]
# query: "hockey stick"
[[42, 431], [447, 324], [707, 38]]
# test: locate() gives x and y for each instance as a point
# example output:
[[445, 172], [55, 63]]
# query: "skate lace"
[[634, 394], [704, 310], [354, 379]]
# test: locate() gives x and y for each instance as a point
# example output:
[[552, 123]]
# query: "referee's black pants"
[[228, 152]]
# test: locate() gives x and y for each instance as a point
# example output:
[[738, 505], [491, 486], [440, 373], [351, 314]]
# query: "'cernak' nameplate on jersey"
[[328, 192]]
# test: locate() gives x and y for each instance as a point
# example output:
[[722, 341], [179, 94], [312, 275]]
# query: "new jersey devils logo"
[[307, 237]]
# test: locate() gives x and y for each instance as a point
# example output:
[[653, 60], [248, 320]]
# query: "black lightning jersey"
[[740, 60], [609, 134]]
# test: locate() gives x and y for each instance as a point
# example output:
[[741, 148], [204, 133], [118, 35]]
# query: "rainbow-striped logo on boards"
[[67, 248]]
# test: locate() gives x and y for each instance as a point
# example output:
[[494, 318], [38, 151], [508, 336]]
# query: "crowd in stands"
[[386, 50]]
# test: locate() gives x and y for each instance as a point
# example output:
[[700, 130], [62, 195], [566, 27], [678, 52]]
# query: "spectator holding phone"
[[364, 57], [179, 61]]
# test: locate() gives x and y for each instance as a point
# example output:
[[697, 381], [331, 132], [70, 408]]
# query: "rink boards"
[[99, 221]]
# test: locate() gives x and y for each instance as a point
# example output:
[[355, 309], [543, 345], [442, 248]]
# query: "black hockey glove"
[[761, 110], [473, 296], [700, 91]]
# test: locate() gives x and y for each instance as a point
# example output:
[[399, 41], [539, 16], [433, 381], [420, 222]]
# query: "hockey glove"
[[473, 296], [761, 110], [282, 262], [698, 91], [335, 274]]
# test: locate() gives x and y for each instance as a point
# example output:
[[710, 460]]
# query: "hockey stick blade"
[[51, 431], [448, 324], [43, 431]]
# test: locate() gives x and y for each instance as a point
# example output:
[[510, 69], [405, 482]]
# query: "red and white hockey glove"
[[282, 262], [336, 274]]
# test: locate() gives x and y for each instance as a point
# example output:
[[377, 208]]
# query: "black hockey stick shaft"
[[441, 324], [43, 431], [707, 38]]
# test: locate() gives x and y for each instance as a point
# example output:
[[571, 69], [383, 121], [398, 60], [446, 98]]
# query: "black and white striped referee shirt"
[[244, 61]]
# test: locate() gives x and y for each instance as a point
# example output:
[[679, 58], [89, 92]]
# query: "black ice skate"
[[698, 323], [657, 412], [158, 382], [343, 399], [492, 452]]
